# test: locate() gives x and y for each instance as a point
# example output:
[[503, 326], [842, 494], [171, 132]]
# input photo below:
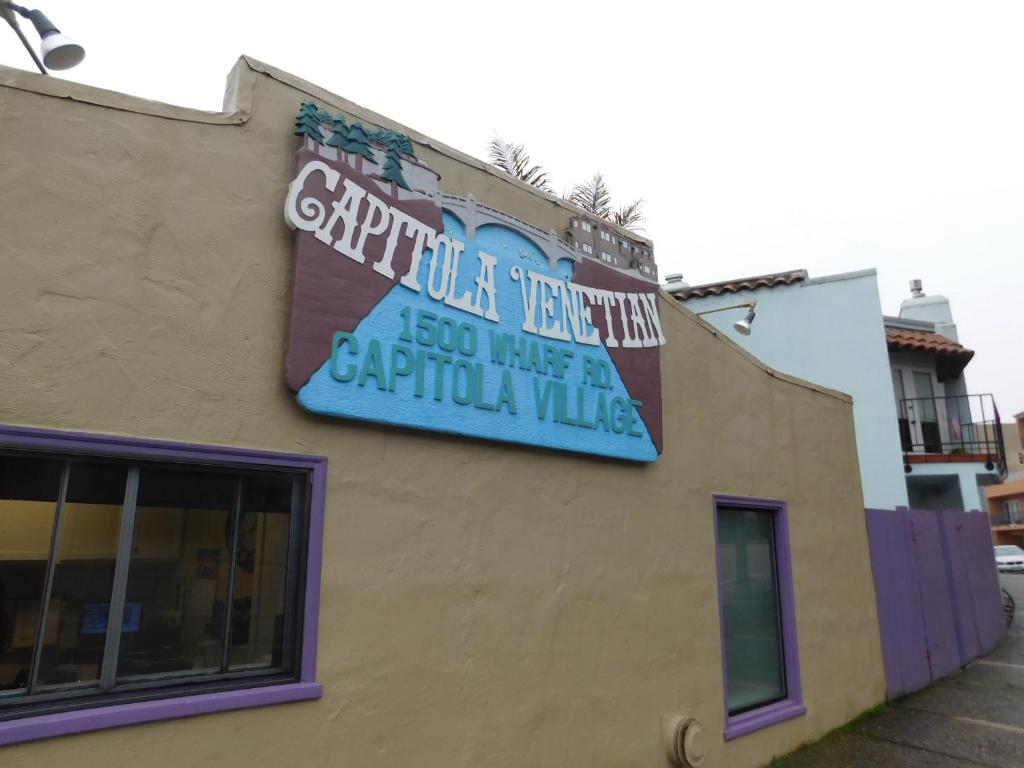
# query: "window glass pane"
[[76, 620], [178, 576], [188, 613], [750, 609], [28, 505], [257, 622]]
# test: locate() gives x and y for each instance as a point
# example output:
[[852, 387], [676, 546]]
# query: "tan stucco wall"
[[1014, 451], [482, 605]]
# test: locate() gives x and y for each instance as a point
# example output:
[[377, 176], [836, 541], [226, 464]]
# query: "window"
[[587, 248], [758, 622], [607, 257], [585, 226], [153, 579], [1012, 508], [605, 236], [935, 492]]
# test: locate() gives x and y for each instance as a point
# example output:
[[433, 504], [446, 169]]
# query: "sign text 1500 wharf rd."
[[435, 358]]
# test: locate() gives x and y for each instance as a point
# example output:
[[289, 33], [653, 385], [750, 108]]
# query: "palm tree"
[[630, 216], [593, 196], [514, 160]]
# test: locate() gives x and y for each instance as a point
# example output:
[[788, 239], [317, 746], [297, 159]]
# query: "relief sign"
[[422, 309]]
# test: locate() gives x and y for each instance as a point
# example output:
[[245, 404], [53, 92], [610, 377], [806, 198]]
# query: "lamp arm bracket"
[[751, 304], [5, 10]]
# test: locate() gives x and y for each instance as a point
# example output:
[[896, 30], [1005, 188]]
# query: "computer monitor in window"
[[95, 615]]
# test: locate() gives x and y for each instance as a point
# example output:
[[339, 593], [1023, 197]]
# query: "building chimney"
[[675, 282], [933, 309]]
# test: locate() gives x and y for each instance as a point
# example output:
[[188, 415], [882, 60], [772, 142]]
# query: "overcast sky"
[[765, 136]]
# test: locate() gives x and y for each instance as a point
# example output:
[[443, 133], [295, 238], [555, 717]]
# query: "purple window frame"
[[793, 705], [113, 715]]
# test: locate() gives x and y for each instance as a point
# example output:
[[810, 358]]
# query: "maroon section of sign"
[[639, 368], [331, 292]]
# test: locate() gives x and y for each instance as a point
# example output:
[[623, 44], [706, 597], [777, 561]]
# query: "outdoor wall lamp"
[[742, 326], [58, 51]]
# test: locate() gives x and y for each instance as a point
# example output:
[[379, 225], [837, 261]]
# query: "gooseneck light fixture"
[[58, 51], [742, 326]]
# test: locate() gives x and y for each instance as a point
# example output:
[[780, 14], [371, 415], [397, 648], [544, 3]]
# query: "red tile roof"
[[952, 357], [742, 284], [903, 338]]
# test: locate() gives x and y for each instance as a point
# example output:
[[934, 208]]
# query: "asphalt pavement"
[[972, 718]]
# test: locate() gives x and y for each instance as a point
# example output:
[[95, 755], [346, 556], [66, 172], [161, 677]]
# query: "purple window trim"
[[59, 724], [793, 704], [83, 720]]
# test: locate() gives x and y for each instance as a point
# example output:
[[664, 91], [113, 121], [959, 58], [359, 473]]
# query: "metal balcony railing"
[[965, 425]]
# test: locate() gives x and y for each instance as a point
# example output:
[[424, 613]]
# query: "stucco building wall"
[[481, 604], [1014, 451], [1005, 530], [829, 330]]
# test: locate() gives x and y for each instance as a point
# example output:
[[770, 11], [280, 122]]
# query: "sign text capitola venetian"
[[553, 308]]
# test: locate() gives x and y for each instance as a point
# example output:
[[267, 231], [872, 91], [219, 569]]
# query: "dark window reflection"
[[28, 505], [194, 603], [257, 622], [755, 673], [178, 577], [84, 575]]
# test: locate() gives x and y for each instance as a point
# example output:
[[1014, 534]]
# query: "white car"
[[1009, 558]]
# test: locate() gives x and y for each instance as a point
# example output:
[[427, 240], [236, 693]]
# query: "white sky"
[[765, 136]]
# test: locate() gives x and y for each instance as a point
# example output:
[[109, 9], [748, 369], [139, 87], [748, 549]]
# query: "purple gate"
[[937, 590]]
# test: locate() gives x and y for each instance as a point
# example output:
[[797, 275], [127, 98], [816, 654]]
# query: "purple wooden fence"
[[937, 590]]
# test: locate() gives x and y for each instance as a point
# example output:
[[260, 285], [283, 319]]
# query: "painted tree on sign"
[[339, 133], [395, 145], [307, 122], [358, 142], [406, 145]]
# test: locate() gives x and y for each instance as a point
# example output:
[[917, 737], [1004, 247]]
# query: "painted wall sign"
[[422, 309]]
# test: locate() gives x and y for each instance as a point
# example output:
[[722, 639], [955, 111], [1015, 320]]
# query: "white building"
[[922, 439]]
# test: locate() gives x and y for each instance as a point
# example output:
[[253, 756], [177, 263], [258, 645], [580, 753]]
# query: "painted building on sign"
[[322, 441], [600, 239]]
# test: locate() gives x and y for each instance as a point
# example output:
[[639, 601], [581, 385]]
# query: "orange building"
[[1006, 512]]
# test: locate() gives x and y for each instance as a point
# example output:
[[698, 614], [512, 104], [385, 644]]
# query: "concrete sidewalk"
[[973, 718]]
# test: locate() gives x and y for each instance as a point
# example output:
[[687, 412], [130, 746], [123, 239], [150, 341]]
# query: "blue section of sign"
[[555, 394]]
